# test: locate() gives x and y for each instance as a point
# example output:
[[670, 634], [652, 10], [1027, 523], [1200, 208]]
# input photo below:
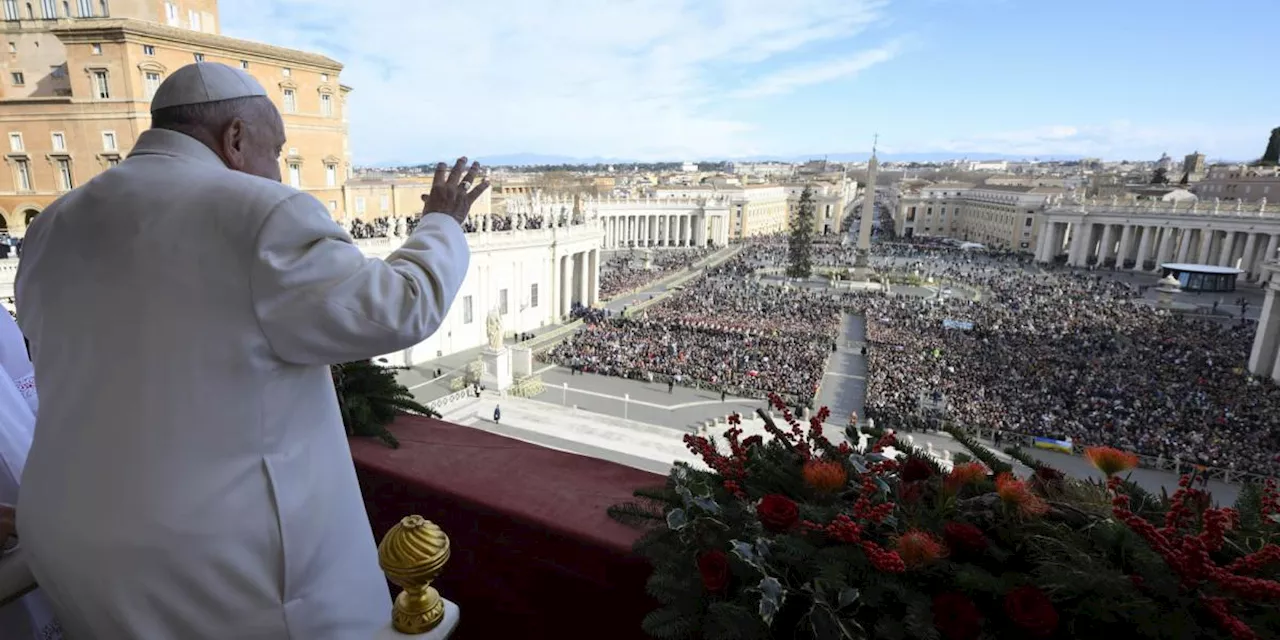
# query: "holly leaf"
[[676, 519], [848, 596], [771, 596], [708, 504], [858, 462]]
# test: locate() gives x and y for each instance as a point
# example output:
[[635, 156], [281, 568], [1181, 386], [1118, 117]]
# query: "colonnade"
[[577, 277], [1133, 245], [1264, 358], [656, 229]]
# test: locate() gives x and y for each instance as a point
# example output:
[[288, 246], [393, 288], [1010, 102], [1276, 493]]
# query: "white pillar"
[[593, 270], [1078, 232], [1248, 262], [1184, 244], [1206, 243], [1144, 247], [1228, 250], [566, 286], [1104, 249], [584, 284], [1270, 254], [1262, 358], [1124, 249]]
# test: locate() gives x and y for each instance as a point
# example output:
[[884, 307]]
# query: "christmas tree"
[[800, 246], [370, 397]]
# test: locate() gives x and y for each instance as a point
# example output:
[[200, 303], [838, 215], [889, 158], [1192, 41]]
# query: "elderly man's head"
[[247, 133], [226, 109]]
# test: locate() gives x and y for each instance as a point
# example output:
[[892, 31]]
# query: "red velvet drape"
[[534, 555]]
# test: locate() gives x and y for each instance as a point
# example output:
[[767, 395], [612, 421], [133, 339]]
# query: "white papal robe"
[[30, 617], [190, 477]]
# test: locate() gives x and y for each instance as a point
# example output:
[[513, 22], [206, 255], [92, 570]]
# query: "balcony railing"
[[516, 534], [534, 554]]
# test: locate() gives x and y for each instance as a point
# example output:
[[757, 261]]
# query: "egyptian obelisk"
[[862, 252]]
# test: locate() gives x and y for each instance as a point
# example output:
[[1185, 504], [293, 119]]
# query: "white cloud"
[[635, 78], [793, 78]]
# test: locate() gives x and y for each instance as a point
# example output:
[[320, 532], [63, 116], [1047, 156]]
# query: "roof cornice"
[[124, 29]]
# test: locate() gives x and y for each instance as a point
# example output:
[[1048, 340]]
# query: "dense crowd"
[[1058, 354], [626, 271], [1068, 355], [723, 331]]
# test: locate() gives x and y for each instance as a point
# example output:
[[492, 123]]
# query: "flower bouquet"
[[796, 537]]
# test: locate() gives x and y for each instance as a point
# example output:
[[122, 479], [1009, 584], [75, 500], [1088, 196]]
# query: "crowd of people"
[[1070, 355], [723, 331], [1060, 354], [626, 271]]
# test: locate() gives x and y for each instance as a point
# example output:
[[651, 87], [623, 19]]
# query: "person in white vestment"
[[190, 476], [29, 616]]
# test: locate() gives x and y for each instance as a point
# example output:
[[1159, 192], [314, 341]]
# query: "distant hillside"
[[531, 159]]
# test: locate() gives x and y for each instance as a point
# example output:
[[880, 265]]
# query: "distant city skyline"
[[692, 79]]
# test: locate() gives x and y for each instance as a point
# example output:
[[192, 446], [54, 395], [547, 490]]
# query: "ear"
[[234, 141]]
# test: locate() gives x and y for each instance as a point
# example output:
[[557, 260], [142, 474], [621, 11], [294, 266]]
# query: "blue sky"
[[675, 79]]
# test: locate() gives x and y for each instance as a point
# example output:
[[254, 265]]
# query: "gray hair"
[[211, 117]]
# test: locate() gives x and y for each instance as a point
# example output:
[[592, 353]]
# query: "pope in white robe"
[[190, 476]]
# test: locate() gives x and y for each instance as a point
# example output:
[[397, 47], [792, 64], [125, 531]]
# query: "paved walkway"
[[844, 385]]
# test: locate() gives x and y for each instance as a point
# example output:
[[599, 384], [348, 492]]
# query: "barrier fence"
[[1158, 463]]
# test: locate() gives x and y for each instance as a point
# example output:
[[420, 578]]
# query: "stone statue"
[[1115, 199], [493, 328], [402, 228]]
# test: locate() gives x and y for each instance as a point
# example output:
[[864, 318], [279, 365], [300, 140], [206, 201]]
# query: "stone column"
[[1227, 252], [1125, 248], [1184, 244], [1270, 253], [566, 285], [1206, 243], [584, 284], [1248, 262], [1042, 242], [1104, 249], [1077, 243], [1262, 358], [1144, 247], [593, 270]]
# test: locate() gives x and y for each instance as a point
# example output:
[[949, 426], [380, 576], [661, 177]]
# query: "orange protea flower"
[[965, 474], [1109, 460], [825, 475], [1015, 493], [918, 548]]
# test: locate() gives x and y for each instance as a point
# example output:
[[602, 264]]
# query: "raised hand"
[[453, 194]]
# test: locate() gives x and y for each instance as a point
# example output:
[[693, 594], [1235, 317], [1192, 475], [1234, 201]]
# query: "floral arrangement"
[[796, 537]]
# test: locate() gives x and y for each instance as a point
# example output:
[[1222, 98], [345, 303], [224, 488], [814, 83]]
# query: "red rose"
[[915, 470], [1029, 608], [964, 538], [956, 617], [713, 566], [777, 513]]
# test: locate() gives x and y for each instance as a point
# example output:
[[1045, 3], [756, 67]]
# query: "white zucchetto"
[[203, 82]]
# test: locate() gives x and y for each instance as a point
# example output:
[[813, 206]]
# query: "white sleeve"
[[320, 300]]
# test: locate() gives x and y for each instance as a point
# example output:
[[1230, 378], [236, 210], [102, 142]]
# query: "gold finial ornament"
[[413, 554]]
